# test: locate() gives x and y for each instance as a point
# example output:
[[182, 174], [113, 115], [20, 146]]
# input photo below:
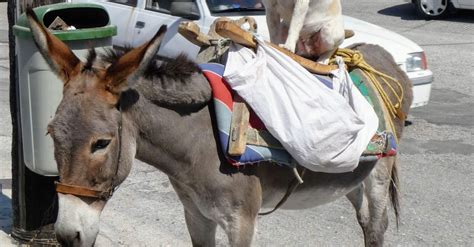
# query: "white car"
[[435, 9], [138, 20]]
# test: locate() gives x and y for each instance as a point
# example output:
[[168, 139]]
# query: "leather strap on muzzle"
[[82, 191]]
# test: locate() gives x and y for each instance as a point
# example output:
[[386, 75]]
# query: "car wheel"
[[433, 9]]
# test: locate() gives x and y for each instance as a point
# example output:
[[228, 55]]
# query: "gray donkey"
[[165, 118]]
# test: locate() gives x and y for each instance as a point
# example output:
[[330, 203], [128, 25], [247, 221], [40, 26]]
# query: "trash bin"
[[35, 95], [40, 91]]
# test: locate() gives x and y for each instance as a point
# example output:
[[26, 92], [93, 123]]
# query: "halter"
[[93, 193]]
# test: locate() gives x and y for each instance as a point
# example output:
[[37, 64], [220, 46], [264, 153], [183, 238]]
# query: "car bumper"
[[422, 81]]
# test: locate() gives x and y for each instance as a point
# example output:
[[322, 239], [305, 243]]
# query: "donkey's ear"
[[58, 55], [133, 62]]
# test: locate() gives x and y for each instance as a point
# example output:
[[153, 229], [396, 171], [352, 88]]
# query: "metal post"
[[34, 202]]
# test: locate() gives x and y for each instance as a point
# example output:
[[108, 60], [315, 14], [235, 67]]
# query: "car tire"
[[433, 9]]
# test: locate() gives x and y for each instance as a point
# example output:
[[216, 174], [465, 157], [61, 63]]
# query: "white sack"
[[323, 130]]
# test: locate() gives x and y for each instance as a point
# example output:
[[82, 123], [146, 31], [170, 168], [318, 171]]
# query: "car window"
[[158, 5], [132, 3], [183, 8], [234, 5]]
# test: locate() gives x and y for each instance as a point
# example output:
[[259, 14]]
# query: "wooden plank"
[[262, 138], [238, 128], [235, 33], [192, 32]]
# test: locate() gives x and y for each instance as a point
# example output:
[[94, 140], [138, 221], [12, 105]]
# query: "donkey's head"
[[93, 154]]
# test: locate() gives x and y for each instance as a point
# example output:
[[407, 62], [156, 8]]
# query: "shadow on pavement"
[[407, 11], [5, 212]]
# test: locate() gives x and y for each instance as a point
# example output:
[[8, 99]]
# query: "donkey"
[[134, 105]]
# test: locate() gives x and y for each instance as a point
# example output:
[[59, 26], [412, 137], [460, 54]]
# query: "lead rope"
[[297, 180]]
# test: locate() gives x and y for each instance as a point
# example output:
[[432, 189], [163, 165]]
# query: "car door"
[[466, 3], [121, 13], [151, 15]]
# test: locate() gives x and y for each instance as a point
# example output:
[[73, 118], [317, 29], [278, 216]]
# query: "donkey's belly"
[[317, 189], [306, 198]]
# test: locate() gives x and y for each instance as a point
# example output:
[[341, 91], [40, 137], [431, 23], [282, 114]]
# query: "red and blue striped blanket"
[[223, 103]]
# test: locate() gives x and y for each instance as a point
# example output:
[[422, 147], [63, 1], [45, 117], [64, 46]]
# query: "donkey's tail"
[[394, 193]]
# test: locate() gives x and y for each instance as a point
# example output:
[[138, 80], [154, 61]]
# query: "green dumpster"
[[40, 91]]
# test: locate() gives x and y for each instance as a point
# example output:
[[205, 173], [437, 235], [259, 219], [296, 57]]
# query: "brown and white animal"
[[165, 119], [311, 28]]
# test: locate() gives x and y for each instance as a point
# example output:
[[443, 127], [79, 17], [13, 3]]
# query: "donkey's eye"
[[100, 144]]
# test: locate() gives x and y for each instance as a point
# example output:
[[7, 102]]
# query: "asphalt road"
[[436, 160]]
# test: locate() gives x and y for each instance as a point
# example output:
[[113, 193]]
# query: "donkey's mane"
[[91, 56], [180, 67], [175, 83], [112, 55]]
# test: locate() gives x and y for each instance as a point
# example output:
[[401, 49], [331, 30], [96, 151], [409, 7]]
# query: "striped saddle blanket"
[[382, 144]]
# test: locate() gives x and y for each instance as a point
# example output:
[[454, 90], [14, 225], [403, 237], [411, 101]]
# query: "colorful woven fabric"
[[384, 143], [223, 103]]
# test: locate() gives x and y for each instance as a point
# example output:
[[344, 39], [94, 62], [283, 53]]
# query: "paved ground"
[[436, 159], [5, 132]]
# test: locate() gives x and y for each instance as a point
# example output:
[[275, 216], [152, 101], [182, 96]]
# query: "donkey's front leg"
[[239, 228], [201, 229], [239, 209]]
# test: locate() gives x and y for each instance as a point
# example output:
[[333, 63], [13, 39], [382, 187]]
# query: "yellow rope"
[[354, 59]]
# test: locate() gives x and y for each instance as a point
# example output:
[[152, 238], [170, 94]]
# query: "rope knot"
[[356, 58]]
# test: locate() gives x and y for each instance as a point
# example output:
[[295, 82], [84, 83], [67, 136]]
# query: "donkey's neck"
[[173, 140]]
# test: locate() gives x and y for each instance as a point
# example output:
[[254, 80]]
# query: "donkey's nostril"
[[78, 236], [62, 241], [69, 240]]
